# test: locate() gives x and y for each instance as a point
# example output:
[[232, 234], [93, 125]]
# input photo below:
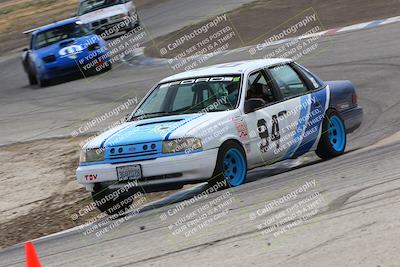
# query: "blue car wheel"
[[231, 166], [336, 133], [234, 167], [333, 137]]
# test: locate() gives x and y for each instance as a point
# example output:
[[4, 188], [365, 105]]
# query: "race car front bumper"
[[114, 28], [174, 170], [82, 64]]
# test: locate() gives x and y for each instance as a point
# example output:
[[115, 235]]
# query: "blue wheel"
[[336, 133], [231, 166], [234, 167], [333, 137]]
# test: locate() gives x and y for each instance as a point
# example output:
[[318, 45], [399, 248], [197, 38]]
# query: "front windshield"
[[209, 94], [58, 34], [93, 5]]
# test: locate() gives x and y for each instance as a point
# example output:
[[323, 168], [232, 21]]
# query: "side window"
[[288, 81], [315, 83], [260, 88]]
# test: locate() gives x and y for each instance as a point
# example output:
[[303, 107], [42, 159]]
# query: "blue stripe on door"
[[316, 117], [300, 127]]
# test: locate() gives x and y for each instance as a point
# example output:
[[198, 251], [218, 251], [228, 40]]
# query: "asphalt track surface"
[[358, 224]]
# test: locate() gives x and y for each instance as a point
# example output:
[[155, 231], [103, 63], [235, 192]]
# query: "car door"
[[305, 102], [264, 123]]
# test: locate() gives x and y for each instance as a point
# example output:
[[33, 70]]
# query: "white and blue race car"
[[215, 123]]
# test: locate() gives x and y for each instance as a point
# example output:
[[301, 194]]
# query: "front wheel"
[[42, 82], [111, 201], [231, 167], [333, 138], [31, 78]]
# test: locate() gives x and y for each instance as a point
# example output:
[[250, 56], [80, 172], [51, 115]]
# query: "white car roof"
[[237, 67]]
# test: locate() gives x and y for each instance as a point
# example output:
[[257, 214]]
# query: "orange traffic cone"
[[32, 259]]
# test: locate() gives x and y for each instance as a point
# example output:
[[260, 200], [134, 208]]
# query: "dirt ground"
[[39, 192], [258, 20]]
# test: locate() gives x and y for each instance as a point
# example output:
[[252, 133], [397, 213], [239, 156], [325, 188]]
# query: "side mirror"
[[252, 104]]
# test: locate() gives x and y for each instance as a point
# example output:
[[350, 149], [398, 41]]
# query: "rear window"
[[288, 80]]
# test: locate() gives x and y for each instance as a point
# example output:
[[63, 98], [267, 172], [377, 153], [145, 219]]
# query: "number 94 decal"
[[266, 137]]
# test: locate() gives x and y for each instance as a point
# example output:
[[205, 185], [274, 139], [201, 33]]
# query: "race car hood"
[[151, 130], [68, 46], [103, 13]]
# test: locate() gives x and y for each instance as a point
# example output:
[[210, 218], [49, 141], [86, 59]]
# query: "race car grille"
[[99, 23], [135, 152]]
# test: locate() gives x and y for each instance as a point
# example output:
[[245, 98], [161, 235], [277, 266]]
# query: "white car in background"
[[105, 16]]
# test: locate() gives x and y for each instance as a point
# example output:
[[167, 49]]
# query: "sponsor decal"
[[241, 127], [70, 51], [198, 80], [90, 177]]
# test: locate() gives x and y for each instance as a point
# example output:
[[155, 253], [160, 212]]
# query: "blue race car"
[[63, 48]]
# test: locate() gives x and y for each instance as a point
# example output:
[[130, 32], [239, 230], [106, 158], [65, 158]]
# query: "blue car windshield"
[[88, 6], [55, 35], [205, 94]]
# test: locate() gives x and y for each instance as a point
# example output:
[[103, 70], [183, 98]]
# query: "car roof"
[[53, 25], [229, 68]]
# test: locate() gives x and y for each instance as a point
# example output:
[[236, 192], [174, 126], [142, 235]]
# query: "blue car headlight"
[[49, 59]]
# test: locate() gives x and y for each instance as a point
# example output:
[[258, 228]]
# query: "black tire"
[[112, 205], [329, 146], [108, 68], [32, 79], [134, 25], [31, 74], [220, 168], [42, 83]]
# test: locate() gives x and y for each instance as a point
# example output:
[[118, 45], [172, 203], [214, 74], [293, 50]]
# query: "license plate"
[[131, 172]]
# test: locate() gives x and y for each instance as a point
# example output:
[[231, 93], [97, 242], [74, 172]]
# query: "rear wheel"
[[231, 165], [333, 138]]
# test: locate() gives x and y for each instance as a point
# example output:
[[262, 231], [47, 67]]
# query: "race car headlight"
[[124, 15], [120, 16], [92, 155], [49, 59], [186, 145]]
